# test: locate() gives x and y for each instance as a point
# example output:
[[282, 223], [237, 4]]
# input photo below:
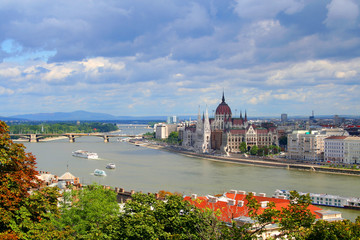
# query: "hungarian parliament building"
[[225, 133]]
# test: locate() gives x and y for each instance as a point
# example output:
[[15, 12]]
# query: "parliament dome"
[[223, 108]]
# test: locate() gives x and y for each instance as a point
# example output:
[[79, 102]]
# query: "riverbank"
[[278, 163]]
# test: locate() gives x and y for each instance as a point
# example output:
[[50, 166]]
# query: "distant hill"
[[81, 116], [10, 119]]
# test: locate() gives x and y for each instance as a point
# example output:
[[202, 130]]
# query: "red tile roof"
[[229, 212], [336, 137]]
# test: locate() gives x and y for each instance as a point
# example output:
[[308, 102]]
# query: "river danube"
[[150, 170]]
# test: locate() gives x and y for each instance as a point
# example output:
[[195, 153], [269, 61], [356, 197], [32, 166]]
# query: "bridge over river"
[[35, 137]]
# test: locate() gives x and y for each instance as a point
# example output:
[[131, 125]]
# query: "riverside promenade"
[[257, 161]]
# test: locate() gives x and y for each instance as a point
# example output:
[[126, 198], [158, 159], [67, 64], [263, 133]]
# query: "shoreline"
[[259, 162]]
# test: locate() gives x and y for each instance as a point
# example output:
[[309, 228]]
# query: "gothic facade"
[[198, 137], [225, 133]]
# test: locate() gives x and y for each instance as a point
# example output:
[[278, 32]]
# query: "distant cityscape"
[[324, 139], [331, 140]]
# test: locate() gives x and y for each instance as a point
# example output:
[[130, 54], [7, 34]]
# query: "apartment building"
[[309, 145]]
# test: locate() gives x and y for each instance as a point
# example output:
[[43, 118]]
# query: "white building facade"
[[309, 145], [342, 150]]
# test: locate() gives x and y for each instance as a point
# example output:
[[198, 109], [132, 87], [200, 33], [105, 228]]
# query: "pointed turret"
[[199, 116], [199, 124], [245, 116], [241, 115], [223, 97], [206, 122]]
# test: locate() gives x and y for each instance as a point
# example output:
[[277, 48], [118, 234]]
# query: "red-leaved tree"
[[24, 215]]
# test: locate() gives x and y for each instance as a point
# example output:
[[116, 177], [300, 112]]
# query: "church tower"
[[203, 133]]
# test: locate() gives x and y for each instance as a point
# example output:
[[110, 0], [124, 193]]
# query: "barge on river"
[[324, 199]]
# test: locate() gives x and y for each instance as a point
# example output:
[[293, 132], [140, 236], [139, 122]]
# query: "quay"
[[265, 162]]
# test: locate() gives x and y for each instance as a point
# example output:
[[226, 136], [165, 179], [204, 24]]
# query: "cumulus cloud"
[[165, 57], [262, 9], [342, 14]]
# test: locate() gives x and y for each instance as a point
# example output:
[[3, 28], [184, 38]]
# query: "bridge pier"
[[33, 138], [71, 138], [106, 139]]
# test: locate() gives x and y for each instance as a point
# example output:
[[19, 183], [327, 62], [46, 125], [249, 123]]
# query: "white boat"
[[85, 154], [325, 199], [111, 166], [99, 172]]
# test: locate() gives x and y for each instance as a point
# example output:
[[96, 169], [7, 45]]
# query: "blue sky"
[[166, 57]]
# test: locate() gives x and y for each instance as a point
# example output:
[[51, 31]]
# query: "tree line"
[[59, 128], [94, 213], [260, 151]]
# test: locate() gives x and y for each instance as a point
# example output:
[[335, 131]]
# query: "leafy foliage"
[[254, 150], [294, 220], [23, 215], [88, 211], [173, 138], [345, 230], [145, 217], [93, 212], [60, 128], [243, 147]]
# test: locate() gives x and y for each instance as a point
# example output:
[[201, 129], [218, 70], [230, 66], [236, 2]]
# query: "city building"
[[342, 149], [163, 130], [226, 132], [197, 137], [338, 120], [309, 145], [352, 150], [172, 120], [284, 117]]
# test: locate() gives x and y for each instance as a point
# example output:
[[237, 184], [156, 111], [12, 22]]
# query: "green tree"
[[254, 150], [23, 215], [295, 220], [89, 211], [243, 147], [145, 217], [173, 138], [324, 230]]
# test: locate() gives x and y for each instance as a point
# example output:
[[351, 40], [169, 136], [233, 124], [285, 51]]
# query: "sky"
[[168, 57]]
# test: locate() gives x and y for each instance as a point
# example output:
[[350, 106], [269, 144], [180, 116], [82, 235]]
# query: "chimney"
[[231, 202], [241, 192], [240, 203], [194, 196], [213, 199], [262, 194], [264, 204], [233, 192]]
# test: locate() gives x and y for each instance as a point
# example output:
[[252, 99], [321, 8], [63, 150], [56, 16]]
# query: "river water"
[[150, 170]]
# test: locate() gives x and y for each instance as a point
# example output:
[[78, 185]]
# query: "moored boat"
[[111, 166], [85, 154], [325, 199], [99, 172]]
